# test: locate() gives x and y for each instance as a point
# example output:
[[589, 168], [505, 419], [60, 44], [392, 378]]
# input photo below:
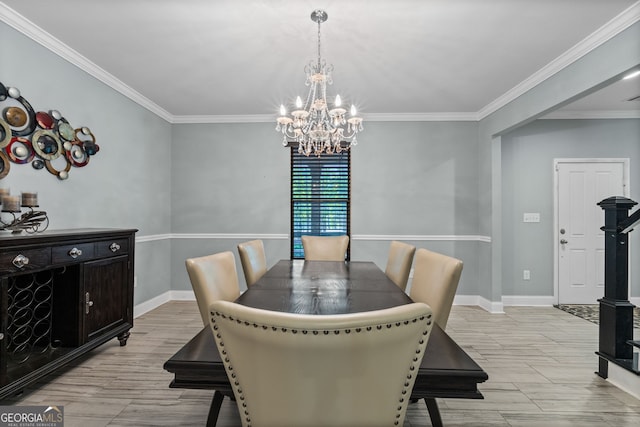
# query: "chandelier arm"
[[311, 96], [323, 89]]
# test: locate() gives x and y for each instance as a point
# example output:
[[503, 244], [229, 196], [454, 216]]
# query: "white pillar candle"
[[10, 203], [3, 192], [29, 199]]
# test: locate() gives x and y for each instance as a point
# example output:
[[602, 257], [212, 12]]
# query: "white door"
[[580, 242]]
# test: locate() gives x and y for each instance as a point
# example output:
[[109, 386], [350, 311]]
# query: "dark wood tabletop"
[[327, 287]]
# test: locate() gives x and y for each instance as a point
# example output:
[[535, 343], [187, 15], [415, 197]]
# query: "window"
[[320, 197]]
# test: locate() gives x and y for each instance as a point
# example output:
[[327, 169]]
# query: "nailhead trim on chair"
[[236, 383]]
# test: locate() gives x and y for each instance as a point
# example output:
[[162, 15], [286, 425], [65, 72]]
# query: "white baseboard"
[[530, 301], [624, 380], [156, 302], [183, 296], [494, 307]]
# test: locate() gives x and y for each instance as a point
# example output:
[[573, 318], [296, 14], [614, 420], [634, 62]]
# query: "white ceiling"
[[186, 59]]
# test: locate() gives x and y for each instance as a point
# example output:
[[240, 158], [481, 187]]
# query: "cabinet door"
[[105, 301], [3, 331]]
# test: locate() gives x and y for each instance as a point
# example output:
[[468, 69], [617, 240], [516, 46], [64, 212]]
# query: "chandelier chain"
[[319, 55]]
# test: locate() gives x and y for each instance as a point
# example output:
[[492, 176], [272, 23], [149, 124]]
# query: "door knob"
[[563, 241]]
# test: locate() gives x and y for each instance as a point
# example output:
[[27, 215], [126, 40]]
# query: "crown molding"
[[240, 118], [374, 117], [421, 117], [624, 20], [621, 22], [589, 115]]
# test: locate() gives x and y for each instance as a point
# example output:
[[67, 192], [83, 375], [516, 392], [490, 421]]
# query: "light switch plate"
[[531, 217]]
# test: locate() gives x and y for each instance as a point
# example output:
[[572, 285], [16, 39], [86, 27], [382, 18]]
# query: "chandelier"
[[316, 128]]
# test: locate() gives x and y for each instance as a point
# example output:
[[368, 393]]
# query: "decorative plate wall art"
[[45, 139]]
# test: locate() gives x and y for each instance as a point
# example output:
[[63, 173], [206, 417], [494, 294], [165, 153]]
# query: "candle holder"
[[30, 221], [13, 219]]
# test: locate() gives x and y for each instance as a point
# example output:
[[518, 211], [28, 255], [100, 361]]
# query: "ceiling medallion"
[[312, 125]]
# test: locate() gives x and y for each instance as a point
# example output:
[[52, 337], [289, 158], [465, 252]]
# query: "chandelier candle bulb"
[[29, 200], [3, 192]]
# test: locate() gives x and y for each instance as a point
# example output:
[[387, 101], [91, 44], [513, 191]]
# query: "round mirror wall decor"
[[40, 138]]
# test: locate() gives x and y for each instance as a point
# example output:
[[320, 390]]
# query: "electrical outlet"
[[531, 217], [135, 281], [526, 275]]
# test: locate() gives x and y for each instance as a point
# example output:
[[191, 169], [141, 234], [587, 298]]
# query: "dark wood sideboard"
[[63, 293]]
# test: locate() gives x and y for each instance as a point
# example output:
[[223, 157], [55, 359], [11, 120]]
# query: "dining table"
[[324, 288]]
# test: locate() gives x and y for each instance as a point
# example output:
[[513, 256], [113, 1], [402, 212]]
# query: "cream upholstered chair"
[[325, 248], [253, 260], [213, 277], [321, 370], [435, 281], [399, 263]]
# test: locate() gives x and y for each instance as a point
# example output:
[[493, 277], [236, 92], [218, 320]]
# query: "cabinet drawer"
[[112, 247], [69, 253], [30, 259]]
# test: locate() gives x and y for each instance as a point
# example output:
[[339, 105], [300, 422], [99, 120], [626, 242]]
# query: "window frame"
[[298, 159]]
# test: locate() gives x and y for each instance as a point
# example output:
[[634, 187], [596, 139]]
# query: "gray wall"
[[126, 185], [227, 179], [417, 179], [408, 179], [527, 186]]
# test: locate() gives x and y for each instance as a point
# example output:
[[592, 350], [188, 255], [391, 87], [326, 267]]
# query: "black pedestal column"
[[616, 312]]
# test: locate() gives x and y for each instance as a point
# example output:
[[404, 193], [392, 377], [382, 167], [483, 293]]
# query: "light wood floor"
[[540, 362]]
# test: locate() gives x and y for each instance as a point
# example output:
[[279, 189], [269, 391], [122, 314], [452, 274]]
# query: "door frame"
[[556, 226]]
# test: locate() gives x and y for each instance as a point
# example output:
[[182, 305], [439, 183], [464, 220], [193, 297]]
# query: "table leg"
[[214, 410], [434, 412]]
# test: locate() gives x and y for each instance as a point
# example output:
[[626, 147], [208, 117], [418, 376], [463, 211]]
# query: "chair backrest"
[[253, 260], [325, 248], [399, 263], [435, 281], [213, 278], [321, 370]]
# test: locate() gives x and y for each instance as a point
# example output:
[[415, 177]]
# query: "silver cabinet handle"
[[20, 261], [75, 253], [87, 303], [114, 247]]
